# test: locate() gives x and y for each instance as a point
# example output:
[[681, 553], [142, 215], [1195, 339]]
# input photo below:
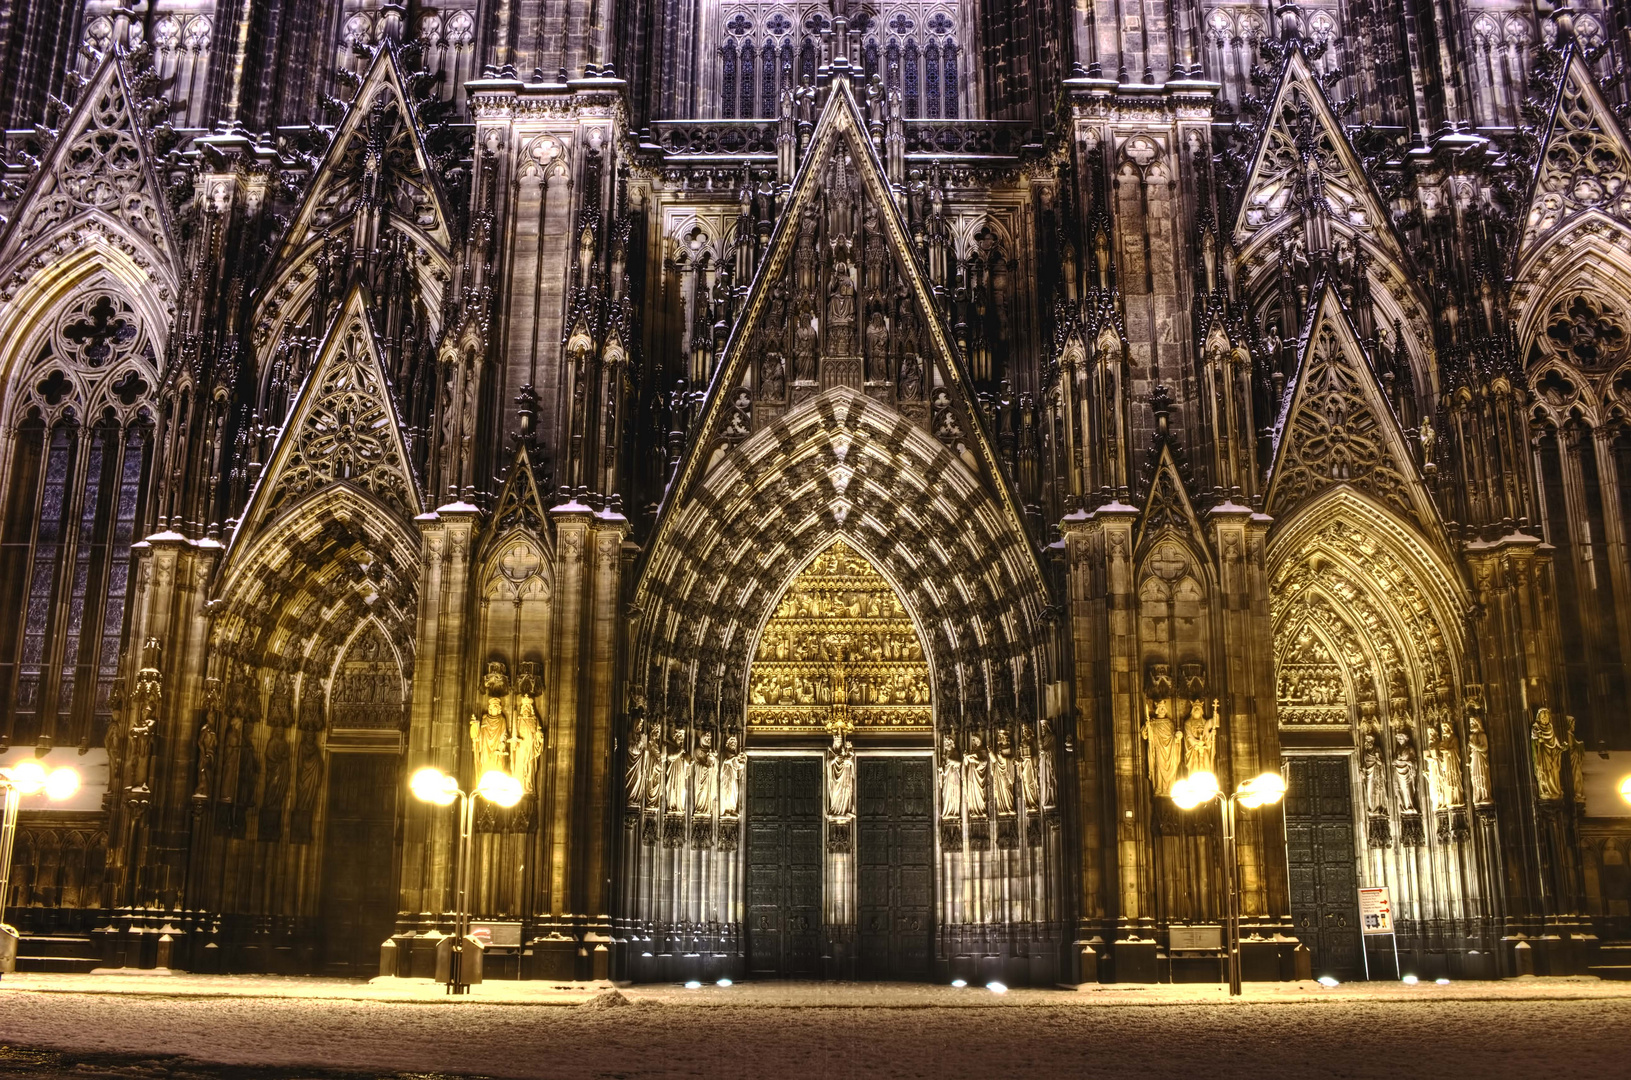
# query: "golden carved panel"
[[840, 649]]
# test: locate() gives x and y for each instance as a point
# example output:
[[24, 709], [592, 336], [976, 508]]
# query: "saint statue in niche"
[[1548, 756], [1448, 793], [1166, 747], [1406, 768], [1371, 775], [1201, 738], [525, 743], [705, 780], [951, 779], [1478, 762], [1030, 787], [1002, 773], [730, 779], [1044, 765], [974, 769], [679, 772], [840, 779], [489, 737], [634, 773], [653, 769], [1577, 761]]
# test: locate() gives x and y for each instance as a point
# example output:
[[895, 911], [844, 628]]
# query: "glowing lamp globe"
[[1194, 789], [61, 784], [28, 777], [432, 785], [1625, 789], [499, 788], [1265, 790]]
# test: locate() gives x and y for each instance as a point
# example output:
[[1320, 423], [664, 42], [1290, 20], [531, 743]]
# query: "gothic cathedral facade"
[[848, 461]]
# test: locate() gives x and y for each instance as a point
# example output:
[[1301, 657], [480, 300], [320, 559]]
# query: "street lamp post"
[[1202, 787], [27, 777], [432, 785]]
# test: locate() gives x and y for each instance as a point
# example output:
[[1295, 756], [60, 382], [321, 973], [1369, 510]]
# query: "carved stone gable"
[[520, 503], [1167, 506], [1338, 427], [343, 428], [99, 166], [1585, 160]]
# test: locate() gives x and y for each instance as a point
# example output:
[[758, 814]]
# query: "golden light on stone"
[[840, 648], [499, 788], [1194, 789]]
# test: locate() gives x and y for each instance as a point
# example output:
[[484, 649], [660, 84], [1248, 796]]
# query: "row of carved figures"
[[981, 783], [663, 780]]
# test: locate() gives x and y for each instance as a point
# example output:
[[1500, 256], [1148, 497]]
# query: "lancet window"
[[75, 478], [913, 48]]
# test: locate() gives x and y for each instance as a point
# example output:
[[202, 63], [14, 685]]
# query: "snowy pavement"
[[260, 1028]]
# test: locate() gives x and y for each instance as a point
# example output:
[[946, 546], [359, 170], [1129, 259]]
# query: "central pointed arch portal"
[[841, 569]]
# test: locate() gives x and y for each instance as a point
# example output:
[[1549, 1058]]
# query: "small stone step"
[[75, 965]]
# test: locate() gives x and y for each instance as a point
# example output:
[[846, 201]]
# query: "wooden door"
[[359, 880], [1323, 864], [895, 866], [784, 866]]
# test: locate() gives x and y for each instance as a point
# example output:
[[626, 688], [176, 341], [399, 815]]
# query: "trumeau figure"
[[1406, 769], [951, 779], [1166, 749], [679, 772], [731, 767], [974, 768], [840, 779], [705, 778], [1373, 773], [1002, 774], [1030, 786], [1548, 756], [1201, 738], [1478, 762]]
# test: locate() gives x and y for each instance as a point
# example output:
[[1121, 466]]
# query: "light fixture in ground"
[[996, 987], [1410, 980], [1327, 982], [724, 982], [959, 983]]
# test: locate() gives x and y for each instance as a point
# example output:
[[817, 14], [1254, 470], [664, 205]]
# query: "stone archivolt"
[[839, 643]]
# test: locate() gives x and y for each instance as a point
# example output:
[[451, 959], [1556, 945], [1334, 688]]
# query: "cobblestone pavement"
[[193, 1028]]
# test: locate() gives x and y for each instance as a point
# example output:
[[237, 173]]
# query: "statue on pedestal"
[[1166, 749], [525, 743], [1577, 761], [1406, 768], [731, 767], [974, 769], [1201, 738], [1478, 762], [1002, 774], [489, 735], [840, 778], [1547, 750]]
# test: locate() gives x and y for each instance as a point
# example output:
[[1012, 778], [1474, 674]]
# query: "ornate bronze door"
[[1322, 862], [895, 866], [359, 839], [784, 866]]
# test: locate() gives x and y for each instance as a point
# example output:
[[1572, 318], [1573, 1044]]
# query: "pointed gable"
[[1584, 161], [99, 169], [839, 299], [1338, 428], [342, 429], [1302, 140], [1167, 507], [520, 504], [377, 146]]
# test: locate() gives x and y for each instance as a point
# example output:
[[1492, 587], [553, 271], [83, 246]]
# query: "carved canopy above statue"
[[840, 649]]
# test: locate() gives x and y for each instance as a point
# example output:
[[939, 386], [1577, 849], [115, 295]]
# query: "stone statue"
[[231, 751], [1371, 772], [1201, 738], [1449, 793], [1548, 756], [654, 769], [679, 772], [308, 773], [1002, 774], [705, 776], [112, 739], [489, 736], [1044, 767], [525, 744], [207, 740], [804, 346], [277, 773], [1577, 761], [877, 348], [951, 780], [840, 778], [731, 767], [1406, 769], [773, 376], [1030, 786], [974, 767], [841, 311], [1166, 750], [1478, 762], [911, 377], [634, 772]]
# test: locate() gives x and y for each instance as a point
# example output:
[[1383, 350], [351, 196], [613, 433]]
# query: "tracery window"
[[74, 484], [914, 47]]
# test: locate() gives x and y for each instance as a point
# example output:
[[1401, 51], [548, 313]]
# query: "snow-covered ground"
[[159, 1026]]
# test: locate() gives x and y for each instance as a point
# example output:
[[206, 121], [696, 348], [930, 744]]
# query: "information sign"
[[1375, 911]]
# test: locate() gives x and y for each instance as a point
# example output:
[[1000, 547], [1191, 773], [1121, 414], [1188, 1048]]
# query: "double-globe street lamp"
[[434, 786], [1199, 788], [27, 777]]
